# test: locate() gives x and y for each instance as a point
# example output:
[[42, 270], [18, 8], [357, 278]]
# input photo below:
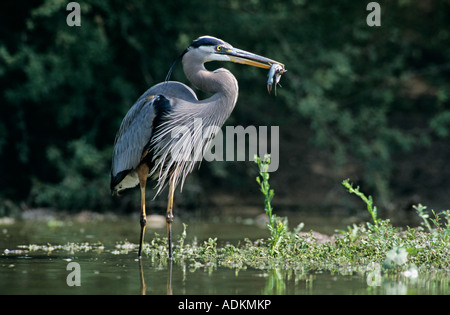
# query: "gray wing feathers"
[[134, 133], [137, 129]]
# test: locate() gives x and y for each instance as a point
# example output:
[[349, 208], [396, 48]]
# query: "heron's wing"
[[133, 137], [133, 140]]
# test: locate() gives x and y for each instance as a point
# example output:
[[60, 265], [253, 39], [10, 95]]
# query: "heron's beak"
[[248, 58]]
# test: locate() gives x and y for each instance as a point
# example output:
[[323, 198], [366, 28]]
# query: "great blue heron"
[[150, 143]]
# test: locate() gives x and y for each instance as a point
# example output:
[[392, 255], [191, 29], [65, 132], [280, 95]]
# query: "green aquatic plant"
[[421, 212], [277, 227], [367, 200], [442, 228]]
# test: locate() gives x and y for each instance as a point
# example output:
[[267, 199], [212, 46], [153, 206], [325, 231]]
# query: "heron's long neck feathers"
[[221, 83], [189, 128]]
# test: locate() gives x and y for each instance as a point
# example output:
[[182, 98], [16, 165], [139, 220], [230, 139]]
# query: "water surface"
[[106, 268]]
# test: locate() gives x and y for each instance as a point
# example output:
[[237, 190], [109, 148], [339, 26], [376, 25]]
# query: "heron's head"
[[208, 48]]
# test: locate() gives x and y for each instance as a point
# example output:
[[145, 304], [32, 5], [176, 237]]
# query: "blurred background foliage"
[[372, 103]]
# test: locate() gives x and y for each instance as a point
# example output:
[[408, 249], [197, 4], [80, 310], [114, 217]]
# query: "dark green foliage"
[[82, 181], [367, 93]]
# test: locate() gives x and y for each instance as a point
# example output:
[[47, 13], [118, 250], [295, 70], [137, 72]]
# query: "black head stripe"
[[201, 41], [206, 41]]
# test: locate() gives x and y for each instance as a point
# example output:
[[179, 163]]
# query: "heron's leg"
[[142, 174], [169, 215]]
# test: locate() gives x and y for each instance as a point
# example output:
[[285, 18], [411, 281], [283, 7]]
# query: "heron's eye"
[[218, 48]]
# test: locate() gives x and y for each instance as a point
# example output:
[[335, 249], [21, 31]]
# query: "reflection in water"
[[169, 279], [34, 259], [141, 277], [37, 272], [143, 289], [277, 281]]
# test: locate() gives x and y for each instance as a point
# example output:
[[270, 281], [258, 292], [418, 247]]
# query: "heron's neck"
[[221, 83]]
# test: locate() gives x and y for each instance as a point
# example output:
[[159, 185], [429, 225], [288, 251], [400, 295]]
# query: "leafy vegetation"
[[368, 201], [379, 244], [277, 227]]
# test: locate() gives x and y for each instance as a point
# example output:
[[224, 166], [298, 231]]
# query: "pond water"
[[25, 269]]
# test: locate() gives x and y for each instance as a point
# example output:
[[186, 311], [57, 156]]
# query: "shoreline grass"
[[395, 250]]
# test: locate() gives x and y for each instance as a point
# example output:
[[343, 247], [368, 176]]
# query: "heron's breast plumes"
[[180, 141]]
